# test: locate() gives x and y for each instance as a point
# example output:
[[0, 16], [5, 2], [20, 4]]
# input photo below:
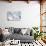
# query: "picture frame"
[[15, 16]]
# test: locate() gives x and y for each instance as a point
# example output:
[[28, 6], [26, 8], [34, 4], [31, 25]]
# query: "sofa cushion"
[[11, 30], [17, 30], [23, 31]]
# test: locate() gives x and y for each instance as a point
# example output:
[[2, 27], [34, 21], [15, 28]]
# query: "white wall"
[[30, 14]]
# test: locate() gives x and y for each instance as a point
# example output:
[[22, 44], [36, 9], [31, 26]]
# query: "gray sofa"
[[17, 35]]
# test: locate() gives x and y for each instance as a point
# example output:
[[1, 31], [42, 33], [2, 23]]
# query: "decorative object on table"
[[15, 16]]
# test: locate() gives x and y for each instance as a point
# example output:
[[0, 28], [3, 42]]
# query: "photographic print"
[[15, 16]]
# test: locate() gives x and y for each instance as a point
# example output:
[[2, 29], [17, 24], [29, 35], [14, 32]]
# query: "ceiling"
[[20, 0], [24, 0]]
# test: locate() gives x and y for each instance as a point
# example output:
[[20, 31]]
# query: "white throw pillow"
[[5, 32], [23, 31]]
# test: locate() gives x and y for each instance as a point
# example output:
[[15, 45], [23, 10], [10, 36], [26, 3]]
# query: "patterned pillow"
[[17, 30], [11, 30]]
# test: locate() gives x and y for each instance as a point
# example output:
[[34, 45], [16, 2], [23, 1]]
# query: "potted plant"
[[37, 33]]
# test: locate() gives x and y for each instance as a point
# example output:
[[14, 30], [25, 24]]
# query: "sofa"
[[18, 35]]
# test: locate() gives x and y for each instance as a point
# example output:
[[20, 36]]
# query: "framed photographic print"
[[15, 16]]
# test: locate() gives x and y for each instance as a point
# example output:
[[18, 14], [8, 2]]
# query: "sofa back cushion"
[[11, 30], [17, 30]]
